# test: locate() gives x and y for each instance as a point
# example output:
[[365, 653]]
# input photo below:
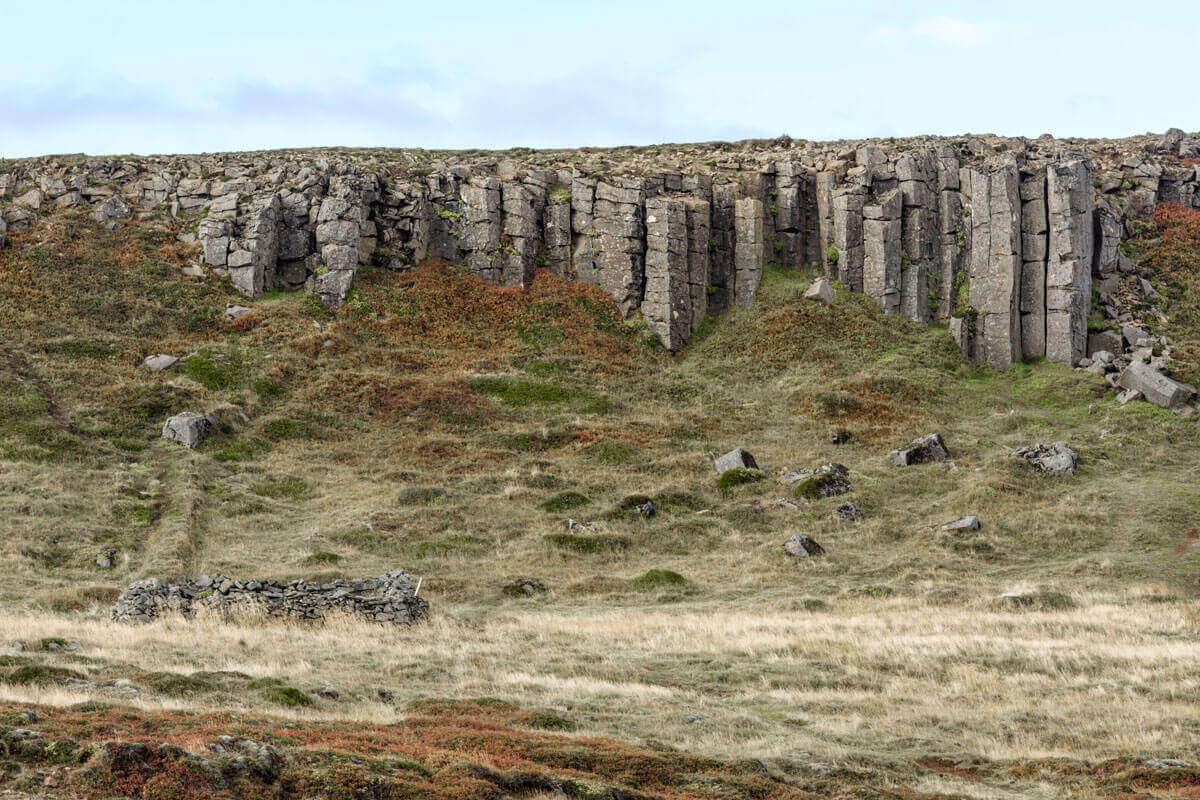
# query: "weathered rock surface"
[[968, 523], [735, 459], [821, 290], [802, 546], [189, 428], [1002, 237], [929, 447], [1155, 387], [390, 598], [1052, 459], [160, 362]]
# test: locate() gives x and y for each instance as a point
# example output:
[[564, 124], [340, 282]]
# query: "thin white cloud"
[[943, 30]]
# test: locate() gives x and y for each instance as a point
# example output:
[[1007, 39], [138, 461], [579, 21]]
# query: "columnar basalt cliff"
[[1001, 238]]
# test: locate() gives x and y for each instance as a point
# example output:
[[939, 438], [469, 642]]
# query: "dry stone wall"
[[1001, 238]]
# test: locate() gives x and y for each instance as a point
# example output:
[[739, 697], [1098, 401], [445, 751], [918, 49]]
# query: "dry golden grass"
[[419, 446]]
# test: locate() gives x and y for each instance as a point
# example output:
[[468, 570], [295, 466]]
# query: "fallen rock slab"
[[189, 428], [735, 459], [160, 362], [821, 290], [928, 448], [968, 523], [1052, 459], [1156, 387]]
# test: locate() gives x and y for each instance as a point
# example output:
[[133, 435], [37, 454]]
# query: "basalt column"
[[1069, 266], [995, 272], [748, 250], [848, 201], [584, 235], [1034, 247], [666, 304], [481, 235], [881, 245], [699, 226], [721, 274], [952, 229], [917, 173], [618, 221]]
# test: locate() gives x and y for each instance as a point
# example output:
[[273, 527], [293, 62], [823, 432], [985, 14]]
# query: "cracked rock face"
[[189, 428], [1002, 238], [1052, 459]]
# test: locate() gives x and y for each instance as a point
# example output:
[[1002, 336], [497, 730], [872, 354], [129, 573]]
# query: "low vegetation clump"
[[564, 501], [1172, 250], [732, 478]]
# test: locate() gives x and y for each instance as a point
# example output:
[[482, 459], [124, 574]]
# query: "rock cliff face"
[[1002, 238]]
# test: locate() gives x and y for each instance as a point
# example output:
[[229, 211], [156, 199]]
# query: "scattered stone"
[[840, 436], [735, 459], [328, 692], [801, 546], [234, 312], [160, 362], [827, 480], [848, 511], [647, 509], [524, 587], [821, 290], [1052, 459], [929, 447], [189, 428], [969, 523], [1130, 395], [1156, 387], [390, 599], [576, 525], [105, 559]]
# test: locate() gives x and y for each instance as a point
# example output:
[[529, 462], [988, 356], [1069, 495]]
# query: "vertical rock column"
[[847, 230], [881, 246], [345, 235], [748, 250], [522, 237], [787, 212], [823, 186], [557, 225], [995, 274], [699, 226], [253, 255], [483, 224], [618, 210], [583, 230], [667, 300], [1068, 268], [920, 240], [721, 274], [1034, 244], [952, 228]]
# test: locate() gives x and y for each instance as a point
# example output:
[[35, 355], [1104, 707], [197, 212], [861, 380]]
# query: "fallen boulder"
[[1156, 387], [821, 290], [189, 428], [827, 480], [1052, 459], [848, 511], [801, 546], [160, 362], [735, 459], [968, 523], [929, 447]]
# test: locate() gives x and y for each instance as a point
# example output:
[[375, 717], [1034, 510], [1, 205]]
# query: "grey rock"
[[735, 459], [189, 428], [1052, 459], [821, 289], [1156, 387], [233, 312], [159, 363], [802, 546], [968, 523], [928, 448], [848, 511]]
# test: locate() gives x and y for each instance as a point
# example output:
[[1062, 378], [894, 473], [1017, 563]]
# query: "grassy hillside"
[[451, 428]]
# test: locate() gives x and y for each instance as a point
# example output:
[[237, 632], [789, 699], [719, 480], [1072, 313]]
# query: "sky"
[[128, 76]]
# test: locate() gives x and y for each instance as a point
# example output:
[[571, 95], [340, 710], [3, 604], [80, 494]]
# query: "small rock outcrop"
[[189, 428], [801, 546], [160, 362], [1154, 386], [821, 290], [1052, 459], [391, 598], [968, 523], [929, 447]]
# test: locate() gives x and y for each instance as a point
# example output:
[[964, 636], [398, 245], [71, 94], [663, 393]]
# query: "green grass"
[[732, 478], [659, 578], [283, 488], [564, 501], [519, 392], [590, 544], [610, 452], [214, 371]]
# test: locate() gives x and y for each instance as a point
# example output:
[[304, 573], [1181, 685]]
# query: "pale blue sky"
[[154, 77]]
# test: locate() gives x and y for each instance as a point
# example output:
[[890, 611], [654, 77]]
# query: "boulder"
[[189, 428], [929, 447], [827, 480], [1156, 387], [801, 546], [1052, 459], [159, 362], [233, 313], [848, 511], [821, 289], [968, 523], [735, 459]]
